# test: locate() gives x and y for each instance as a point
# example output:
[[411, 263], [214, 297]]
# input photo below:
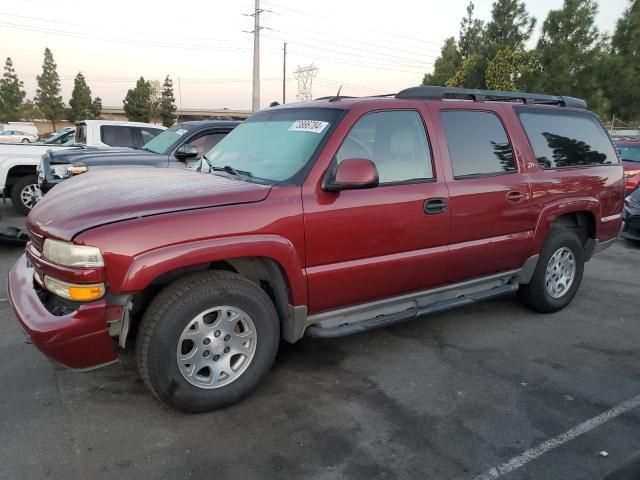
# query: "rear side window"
[[116, 136], [566, 138], [478, 144]]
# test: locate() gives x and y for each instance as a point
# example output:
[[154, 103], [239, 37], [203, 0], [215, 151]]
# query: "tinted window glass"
[[478, 144], [204, 143], [629, 153], [81, 134], [149, 134], [116, 136], [166, 140], [395, 141], [567, 139]]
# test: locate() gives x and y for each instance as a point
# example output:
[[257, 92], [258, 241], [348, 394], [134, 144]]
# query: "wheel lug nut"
[[227, 337], [226, 350], [216, 358], [206, 353], [206, 341], [217, 333]]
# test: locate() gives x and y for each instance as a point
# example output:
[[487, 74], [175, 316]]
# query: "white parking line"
[[544, 447]]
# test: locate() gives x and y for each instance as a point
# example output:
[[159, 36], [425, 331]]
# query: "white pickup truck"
[[18, 162]]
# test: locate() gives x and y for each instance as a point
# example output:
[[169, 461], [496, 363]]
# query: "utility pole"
[[255, 98], [179, 96], [284, 74], [305, 76]]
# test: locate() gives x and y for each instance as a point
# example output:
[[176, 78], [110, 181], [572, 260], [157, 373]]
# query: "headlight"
[[60, 171], [72, 255]]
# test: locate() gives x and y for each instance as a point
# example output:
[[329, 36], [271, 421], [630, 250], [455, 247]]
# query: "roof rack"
[[439, 93]]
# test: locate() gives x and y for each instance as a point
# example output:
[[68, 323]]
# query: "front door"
[[377, 243]]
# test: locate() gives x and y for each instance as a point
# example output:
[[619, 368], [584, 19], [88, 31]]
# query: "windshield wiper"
[[242, 174]]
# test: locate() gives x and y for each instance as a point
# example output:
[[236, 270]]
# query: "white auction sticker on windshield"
[[313, 126], [182, 131]]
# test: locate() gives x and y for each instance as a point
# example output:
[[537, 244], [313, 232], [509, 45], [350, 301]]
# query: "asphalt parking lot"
[[449, 396]]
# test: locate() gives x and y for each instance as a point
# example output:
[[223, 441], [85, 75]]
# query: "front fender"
[[152, 264], [561, 207]]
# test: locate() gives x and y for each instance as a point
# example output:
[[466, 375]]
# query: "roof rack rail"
[[429, 92]]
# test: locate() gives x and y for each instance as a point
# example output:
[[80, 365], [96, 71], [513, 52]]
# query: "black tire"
[[168, 315], [535, 294], [16, 193], [25, 140]]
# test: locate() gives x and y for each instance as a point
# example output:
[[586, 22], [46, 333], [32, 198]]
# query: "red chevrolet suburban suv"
[[323, 218]]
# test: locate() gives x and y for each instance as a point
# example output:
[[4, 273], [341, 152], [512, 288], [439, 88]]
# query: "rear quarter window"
[[562, 139]]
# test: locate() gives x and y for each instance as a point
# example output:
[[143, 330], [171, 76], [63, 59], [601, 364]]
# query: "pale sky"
[[367, 47]]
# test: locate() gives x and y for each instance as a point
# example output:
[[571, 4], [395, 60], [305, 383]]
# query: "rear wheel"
[[25, 140], [558, 274], [207, 340], [25, 193]]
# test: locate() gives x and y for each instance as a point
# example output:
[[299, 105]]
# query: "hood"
[[108, 196], [93, 155]]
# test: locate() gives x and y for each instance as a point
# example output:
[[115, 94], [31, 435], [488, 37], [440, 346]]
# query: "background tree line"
[[571, 57], [147, 102]]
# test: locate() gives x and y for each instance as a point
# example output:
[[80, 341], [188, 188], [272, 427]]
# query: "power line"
[[332, 15], [52, 31]]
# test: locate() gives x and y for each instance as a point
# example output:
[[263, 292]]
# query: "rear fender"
[[561, 207]]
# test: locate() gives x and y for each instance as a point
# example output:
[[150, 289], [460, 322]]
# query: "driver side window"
[[395, 141]]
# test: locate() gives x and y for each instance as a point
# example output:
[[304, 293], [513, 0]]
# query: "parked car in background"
[[18, 163], [323, 218], [629, 151], [631, 216], [179, 146], [17, 136]]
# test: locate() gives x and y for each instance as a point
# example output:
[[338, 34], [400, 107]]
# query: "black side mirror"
[[188, 150]]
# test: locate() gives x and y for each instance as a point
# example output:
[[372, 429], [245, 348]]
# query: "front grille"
[[36, 240]]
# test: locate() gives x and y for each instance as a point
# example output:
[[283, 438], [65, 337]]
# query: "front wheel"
[[207, 340], [558, 274], [25, 193], [25, 140]]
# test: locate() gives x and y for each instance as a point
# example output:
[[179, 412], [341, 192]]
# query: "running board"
[[350, 321]]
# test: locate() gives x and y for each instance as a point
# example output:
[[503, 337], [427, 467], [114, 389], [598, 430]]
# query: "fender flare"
[[150, 265], [558, 208]]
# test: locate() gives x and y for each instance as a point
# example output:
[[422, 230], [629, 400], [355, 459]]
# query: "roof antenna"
[[337, 97]]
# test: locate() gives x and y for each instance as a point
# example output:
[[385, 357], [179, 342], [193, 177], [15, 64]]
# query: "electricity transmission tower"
[[305, 76]]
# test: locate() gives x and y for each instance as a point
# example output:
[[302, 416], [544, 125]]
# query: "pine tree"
[[167, 108], [80, 102], [510, 26], [95, 109], [570, 47], [471, 33], [137, 103], [48, 96], [445, 65], [11, 94], [623, 69]]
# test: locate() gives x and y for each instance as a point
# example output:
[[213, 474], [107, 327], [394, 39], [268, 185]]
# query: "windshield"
[[274, 145], [164, 142], [63, 137], [629, 153]]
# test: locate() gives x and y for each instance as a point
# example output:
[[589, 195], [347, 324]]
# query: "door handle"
[[515, 196], [434, 206]]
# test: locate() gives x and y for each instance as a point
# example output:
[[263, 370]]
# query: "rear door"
[[490, 199], [365, 245]]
